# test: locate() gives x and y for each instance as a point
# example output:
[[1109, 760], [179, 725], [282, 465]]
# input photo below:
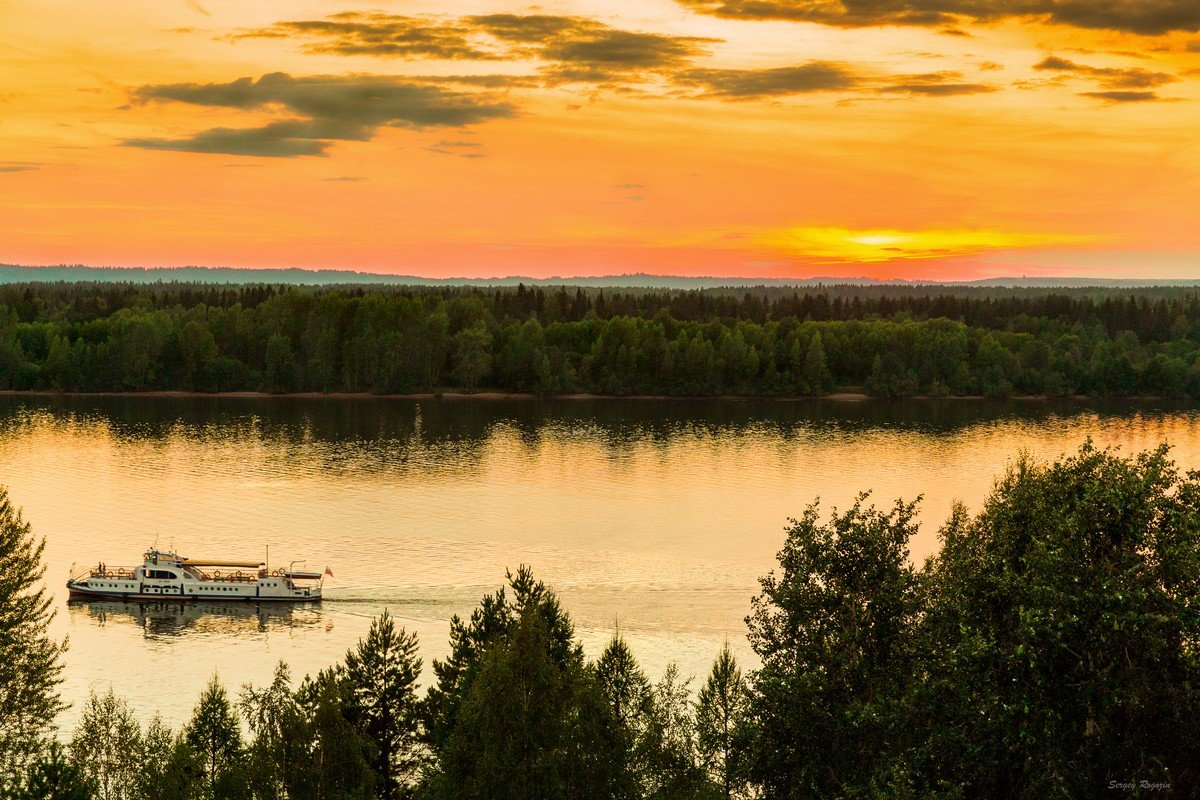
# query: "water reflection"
[[164, 619], [658, 516]]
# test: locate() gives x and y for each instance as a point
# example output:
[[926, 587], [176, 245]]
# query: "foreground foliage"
[[29, 659], [1050, 650]]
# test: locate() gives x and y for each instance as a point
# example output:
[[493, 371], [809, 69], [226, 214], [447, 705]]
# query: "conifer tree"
[[629, 695], [530, 720], [216, 739], [720, 721], [333, 757], [29, 660], [624, 683], [381, 678]]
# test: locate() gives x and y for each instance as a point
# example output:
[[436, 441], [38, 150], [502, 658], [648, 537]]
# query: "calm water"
[[654, 516]]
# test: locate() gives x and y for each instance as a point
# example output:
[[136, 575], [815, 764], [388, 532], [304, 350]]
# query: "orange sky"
[[919, 139]]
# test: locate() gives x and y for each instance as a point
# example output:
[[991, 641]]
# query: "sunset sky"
[[921, 139]]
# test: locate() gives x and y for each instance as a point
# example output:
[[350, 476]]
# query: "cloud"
[[533, 28], [1149, 17], [940, 84], [1193, 46], [19, 166], [624, 50], [628, 186], [345, 179], [455, 147], [572, 49], [746, 84], [353, 33], [1107, 77], [329, 108], [1118, 96]]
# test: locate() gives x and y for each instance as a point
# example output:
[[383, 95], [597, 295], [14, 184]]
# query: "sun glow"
[[842, 244]]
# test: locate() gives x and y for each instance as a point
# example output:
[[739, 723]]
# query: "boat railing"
[[103, 571], [234, 576]]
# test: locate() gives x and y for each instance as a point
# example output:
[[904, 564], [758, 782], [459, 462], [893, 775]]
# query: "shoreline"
[[454, 396]]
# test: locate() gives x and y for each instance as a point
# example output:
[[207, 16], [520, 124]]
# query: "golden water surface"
[[654, 516]]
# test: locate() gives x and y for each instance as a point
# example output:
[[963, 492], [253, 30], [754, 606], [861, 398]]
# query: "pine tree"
[[108, 747], [331, 755], [29, 660], [530, 720], [381, 676], [720, 717], [624, 683], [629, 697], [216, 739]]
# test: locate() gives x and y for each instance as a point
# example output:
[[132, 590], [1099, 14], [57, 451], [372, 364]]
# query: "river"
[[652, 516]]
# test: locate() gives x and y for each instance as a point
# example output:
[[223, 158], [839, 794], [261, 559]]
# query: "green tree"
[[1061, 637], [472, 354], [816, 375], [668, 745], [216, 739], [381, 675], [169, 769], [280, 364], [108, 747], [831, 630], [333, 757], [271, 714], [629, 696], [53, 776], [29, 660], [721, 723], [532, 720]]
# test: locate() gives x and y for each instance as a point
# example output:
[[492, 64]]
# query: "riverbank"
[[841, 397]]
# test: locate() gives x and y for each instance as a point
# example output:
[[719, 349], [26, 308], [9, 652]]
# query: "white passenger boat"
[[166, 575]]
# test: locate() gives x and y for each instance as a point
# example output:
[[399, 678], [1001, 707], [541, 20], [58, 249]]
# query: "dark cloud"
[[1193, 46], [937, 84], [746, 84], [1118, 96], [624, 50], [1151, 17], [628, 186], [533, 28], [1107, 77], [19, 166], [331, 108], [353, 34], [572, 49]]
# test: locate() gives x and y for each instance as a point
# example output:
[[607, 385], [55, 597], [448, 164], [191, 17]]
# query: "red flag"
[[328, 572]]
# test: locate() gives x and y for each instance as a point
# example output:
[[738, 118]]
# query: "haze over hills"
[[15, 273]]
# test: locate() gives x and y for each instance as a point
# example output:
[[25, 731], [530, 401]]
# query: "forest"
[[1049, 650], [886, 341]]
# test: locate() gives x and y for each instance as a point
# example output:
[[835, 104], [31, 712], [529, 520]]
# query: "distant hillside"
[[13, 273]]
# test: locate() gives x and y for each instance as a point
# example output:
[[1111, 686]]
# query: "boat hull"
[[82, 590]]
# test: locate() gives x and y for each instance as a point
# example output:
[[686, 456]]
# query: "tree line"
[[1050, 649], [885, 341]]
